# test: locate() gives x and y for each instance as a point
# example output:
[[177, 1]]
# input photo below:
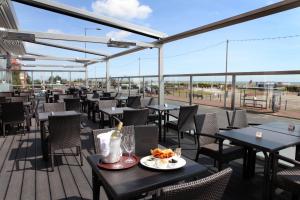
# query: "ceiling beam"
[[52, 65], [247, 16], [12, 33], [92, 17], [44, 57]]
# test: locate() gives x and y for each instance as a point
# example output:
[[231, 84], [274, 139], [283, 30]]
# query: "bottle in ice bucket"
[[115, 152]]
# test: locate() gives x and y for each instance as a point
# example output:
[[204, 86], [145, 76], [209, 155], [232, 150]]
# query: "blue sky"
[[198, 54]]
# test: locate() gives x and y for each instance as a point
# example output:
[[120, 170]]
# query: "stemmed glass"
[[129, 145]]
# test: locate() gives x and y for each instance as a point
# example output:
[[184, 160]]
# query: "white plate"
[[162, 165]]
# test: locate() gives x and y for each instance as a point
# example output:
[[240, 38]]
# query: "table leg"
[[159, 126], [267, 169], [297, 156], [166, 117], [42, 131], [96, 186]]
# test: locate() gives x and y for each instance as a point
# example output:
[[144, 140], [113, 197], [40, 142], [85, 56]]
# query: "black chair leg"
[[178, 136], [181, 135], [220, 163], [197, 156], [52, 161]]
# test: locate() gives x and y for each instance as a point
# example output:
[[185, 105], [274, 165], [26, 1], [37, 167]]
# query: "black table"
[[122, 100], [270, 144], [281, 127], [42, 118], [118, 111], [162, 109], [130, 183]]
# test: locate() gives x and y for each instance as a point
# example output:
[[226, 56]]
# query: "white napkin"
[[104, 142]]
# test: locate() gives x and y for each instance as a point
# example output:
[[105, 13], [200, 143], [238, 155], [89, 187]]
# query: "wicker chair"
[[153, 115], [135, 117], [238, 119], [19, 99], [64, 132], [146, 138], [185, 121], [12, 113], [289, 178], [101, 104], [125, 130], [209, 188], [54, 107], [134, 102], [73, 104], [209, 144], [2, 99]]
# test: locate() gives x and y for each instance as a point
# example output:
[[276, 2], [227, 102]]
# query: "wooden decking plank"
[[56, 185], [42, 183], [2, 140], [8, 166], [86, 167], [67, 179], [28, 187], [85, 189], [5, 150], [14, 189]]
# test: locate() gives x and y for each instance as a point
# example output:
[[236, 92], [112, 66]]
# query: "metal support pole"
[[69, 78], [226, 69], [118, 85], [129, 86], [86, 76], [51, 79], [32, 82], [233, 85], [191, 90], [139, 75], [143, 87], [161, 94], [107, 76]]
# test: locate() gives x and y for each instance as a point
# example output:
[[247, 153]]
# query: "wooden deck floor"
[[25, 175]]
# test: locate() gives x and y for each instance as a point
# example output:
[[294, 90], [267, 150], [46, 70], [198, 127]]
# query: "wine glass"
[[129, 145]]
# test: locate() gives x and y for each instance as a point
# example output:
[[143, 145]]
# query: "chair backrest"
[[5, 94], [2, 99], [64, 131], [206, 124], [95, 95], [12, 112], [186, 118], [107, 103], [146, 138], [237, 118], [135, 117], [72, 104], [134, 101], [209, 188], [106, 94], [19, 99], [54, 107], [125, 130], [65, 96]]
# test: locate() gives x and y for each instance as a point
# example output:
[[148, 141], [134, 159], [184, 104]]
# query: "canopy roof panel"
[[8, 20]]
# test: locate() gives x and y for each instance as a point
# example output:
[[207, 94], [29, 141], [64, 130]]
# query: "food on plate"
[[162, 153]]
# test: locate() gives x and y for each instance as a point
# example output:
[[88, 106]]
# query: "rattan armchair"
[[73, 104], [209, 144], [101, 104], [135, 117], [184, 122], [289, 179], [54, 107], [12, 113], [134, 102], [64, 132], [209, 188], [238, 119]]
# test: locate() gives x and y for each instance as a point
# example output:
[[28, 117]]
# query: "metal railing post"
[[191, 90], [32, 80], [233, 85]]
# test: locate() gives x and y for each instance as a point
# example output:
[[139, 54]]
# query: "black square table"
[[42, 118], [270, 144], [130, 183], [110, 112], [281, 127], [161, 110]]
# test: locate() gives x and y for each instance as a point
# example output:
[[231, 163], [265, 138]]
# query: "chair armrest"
[[225, 129], [289, 160], [254, 124], [117, 119], [232, 127], [171, 115], [208, 135]]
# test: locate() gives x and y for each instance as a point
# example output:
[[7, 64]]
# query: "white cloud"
[[128, 9], [118, 35], [54, 31]]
